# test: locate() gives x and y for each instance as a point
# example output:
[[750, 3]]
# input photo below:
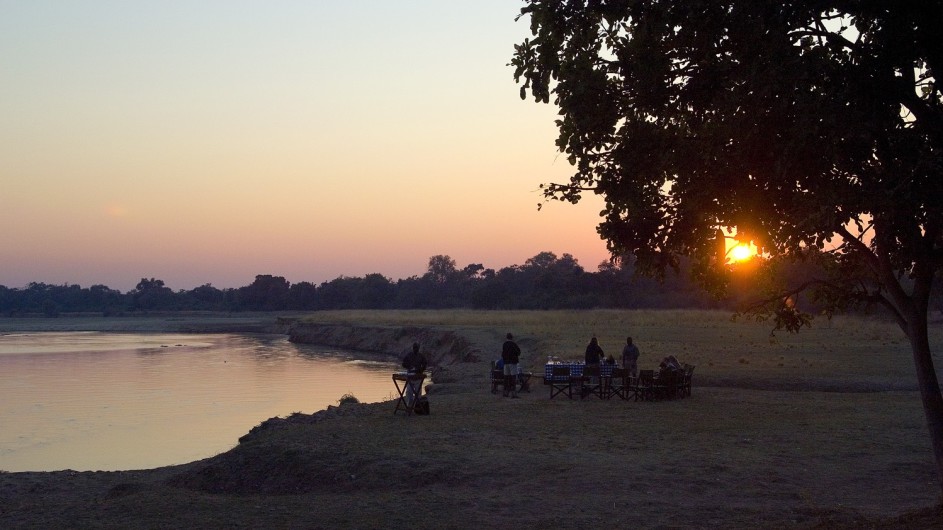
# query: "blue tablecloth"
[[576, 368]]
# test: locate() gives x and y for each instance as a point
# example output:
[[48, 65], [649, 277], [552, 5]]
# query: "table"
[[576, 370], [576, 374], [403, 381]]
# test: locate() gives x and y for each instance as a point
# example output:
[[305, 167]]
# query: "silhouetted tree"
[[303, 295], [792, 124], [151, 294], [266, 293], [337, 293], [441, 269], [50, 308], [474, 271], [206, 297], [375, 292], [101, 298], [543, 282]]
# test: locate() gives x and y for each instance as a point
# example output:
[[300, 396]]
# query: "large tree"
[[812, 128]]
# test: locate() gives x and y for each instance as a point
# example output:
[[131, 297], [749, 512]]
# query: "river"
[[116, 401]]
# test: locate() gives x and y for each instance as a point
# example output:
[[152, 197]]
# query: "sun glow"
[[742, 252]]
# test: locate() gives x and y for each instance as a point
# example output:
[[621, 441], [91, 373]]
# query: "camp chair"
[[632, 386], [560, 382], [591, 382], [685, 388], [618, 384], [665, 384], [497, 379], [668, 384], [523, 379], [646, 385]]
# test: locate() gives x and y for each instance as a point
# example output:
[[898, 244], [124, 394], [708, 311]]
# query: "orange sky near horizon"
[[213, 142]]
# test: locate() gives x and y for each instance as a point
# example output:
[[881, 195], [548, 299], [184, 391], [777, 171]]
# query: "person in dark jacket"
[[414, 363], [594, 356], [594, 352], [510, 354]]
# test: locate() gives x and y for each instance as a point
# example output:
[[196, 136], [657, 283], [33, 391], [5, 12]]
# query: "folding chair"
[[591, 383], [632, 386], [618, 384], [523, 379], [686, 381], [560, 382], [667, 383], [646, 385], [497, 379]]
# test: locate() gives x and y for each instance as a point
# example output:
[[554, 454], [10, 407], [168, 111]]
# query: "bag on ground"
[[422, 406]]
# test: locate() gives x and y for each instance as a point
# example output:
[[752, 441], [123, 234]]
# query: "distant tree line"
[[544, 281]]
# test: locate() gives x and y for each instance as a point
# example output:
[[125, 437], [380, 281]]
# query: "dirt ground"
[[726, 457]]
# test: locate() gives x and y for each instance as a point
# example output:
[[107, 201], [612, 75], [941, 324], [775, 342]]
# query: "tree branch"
[[553, 187], [872, 260], [829, 36]]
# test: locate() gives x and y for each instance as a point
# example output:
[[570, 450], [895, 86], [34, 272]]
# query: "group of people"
[[510, 357], [415, 362], [630, 355], [670, 365]]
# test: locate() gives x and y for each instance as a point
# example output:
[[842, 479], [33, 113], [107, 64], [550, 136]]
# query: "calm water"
[[113, 401]]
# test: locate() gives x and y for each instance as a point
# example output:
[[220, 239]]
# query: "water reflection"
[[89, 401]]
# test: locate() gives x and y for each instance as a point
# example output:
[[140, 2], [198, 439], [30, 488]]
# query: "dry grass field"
[[817, 430], [842, 350]]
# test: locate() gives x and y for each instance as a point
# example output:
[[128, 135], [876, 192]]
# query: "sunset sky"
[[208, 142]]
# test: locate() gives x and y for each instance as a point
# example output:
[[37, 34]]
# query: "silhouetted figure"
[[414, 363], [594, 353], [630, 355], [510, 354]]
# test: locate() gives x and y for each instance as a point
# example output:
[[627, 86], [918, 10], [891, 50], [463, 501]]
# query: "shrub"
[[348, 398]]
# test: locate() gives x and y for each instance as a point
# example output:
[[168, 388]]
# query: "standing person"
[[594, 356], [510, 354], [594, 353], [630, 356], [414, 363]]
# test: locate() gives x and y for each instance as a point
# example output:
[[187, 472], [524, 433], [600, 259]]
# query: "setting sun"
[[741, 252]]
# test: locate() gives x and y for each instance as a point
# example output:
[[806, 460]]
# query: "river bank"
[[444, 347], [182, 322], [724, 458]]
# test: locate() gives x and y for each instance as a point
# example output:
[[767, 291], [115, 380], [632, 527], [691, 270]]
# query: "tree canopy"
[[544, 281], [811, 128]]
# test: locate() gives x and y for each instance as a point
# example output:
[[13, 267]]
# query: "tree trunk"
[[929, 387]]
